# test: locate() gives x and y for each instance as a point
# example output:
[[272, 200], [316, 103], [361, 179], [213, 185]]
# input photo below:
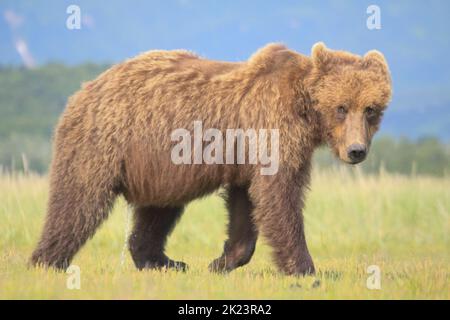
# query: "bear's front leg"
[[242, 233], [278, 202]]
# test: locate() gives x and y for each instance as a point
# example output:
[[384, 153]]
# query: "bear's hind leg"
[[75, 210], [152, 226], [242, 233]]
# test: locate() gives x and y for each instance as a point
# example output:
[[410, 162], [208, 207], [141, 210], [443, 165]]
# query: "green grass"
[[399, 223]]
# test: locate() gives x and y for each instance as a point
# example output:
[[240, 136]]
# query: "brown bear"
[[114, 138]]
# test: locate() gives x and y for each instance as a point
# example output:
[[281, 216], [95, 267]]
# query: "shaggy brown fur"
[[115, 138]]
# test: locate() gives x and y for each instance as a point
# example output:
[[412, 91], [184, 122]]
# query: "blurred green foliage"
[[427, 155], [31, 101]]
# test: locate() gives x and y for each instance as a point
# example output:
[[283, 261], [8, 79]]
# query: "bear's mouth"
[[354, 162]]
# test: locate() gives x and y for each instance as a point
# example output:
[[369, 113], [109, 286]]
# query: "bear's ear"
[[376, 59], [320, 55]]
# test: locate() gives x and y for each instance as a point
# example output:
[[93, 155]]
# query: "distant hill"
[[30, 104], [32, 100]]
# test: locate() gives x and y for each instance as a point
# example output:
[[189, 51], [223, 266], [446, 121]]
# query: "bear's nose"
[[357, 152]]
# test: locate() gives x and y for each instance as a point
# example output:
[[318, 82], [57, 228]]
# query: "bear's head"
[[350, 93]]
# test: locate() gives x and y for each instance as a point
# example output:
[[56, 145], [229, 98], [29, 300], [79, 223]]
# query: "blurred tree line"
[[427, 155], [31, 101]]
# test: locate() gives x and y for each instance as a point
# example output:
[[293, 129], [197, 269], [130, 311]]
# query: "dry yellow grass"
[[400, 224]]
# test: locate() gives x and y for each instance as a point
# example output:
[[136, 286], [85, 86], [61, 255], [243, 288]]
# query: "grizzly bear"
[[114, 138]]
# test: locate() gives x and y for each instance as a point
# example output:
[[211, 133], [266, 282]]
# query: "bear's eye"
[[341, 112], [371, 112]]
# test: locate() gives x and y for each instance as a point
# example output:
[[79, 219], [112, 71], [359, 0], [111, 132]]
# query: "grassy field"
[[400, 224]]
